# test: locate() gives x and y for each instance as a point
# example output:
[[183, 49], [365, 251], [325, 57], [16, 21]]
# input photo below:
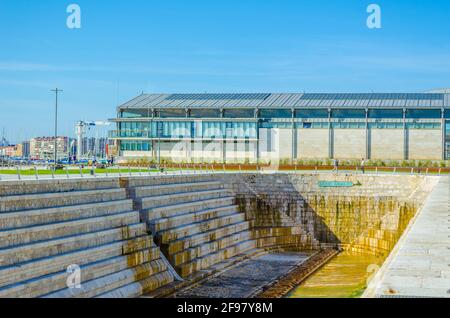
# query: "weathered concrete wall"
[[349, 143], [46, 186], [424, 144], [368, 217], [285, 143], [386, 144], [312, 143]]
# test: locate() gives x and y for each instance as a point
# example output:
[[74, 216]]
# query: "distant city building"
[[94, 147], [42, 148], [11, 151], [26, 149]]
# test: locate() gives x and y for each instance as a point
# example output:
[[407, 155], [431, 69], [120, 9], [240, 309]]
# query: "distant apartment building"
[[25, 149], [11, 151], [94, 147], [42, 148]]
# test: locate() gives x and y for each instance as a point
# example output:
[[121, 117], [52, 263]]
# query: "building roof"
[[291, 100]]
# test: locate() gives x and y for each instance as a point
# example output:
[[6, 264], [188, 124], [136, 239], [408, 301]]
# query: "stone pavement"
[[420, 264], [247, 279]]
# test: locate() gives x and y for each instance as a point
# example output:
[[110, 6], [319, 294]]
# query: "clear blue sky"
[[126, 47]]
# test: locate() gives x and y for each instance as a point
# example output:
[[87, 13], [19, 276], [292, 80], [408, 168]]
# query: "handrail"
[[20, 172]]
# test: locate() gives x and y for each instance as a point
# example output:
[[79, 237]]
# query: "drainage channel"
[[344, 276]]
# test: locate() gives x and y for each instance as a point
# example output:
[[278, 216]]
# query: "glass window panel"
[[172, 113], [311, 113], [385, 113], [134, 113], [348, 113], [275, 113], [384, 125], [423, 113], [423, 125], [239, 113], [276, 125], [205, 113]]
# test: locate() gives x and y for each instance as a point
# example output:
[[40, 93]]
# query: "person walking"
[[335, 165], [363, 163]]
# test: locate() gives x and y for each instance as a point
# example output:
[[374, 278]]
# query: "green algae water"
[[344, 276]]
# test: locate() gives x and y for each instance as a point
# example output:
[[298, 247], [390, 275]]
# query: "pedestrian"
[[336, 165], [363, 163]]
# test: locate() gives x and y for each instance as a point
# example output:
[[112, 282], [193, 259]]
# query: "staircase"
[[103, 226], [195, 222], [45, 227]]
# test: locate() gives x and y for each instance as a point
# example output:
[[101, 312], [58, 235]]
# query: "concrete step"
[[112, 281], [49, 200], [58, 185], [11, 238], [207, 248], [14, 220], [188, 242], [28, 252], [143, 181], [158, 190], [177, 198], [208, 260], [49, 265], [196, 228], [184, 208], [141, 287], [184, 219], [48, 284]]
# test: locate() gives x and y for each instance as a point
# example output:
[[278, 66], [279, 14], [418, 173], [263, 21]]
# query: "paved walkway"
[[420, 264]]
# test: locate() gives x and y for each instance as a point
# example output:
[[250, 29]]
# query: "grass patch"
[[32, 172]]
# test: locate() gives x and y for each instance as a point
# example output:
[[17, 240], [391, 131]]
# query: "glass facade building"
[[350, 126]]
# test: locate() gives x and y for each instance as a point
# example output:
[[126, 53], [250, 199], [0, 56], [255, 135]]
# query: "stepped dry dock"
[[175, 235]]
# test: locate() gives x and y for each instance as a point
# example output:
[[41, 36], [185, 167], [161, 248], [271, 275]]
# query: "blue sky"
[[126, 47]]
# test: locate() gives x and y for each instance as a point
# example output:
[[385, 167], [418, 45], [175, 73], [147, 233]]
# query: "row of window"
[[134, 145], [187, 129], [244, 130], [353, 125], [287, 113]]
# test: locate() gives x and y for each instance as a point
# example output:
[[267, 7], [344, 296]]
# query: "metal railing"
[[26, 172], [19, 172]]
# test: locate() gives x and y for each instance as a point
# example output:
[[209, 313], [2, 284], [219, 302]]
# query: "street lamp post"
[[55, 150]]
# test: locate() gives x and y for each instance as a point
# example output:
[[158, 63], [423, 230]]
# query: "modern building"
[[266, 127], [42, 148]]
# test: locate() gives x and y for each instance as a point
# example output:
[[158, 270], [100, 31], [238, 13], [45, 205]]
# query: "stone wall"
[[349, 143], [386, 144], [312, 143], [424, 144], [369, 216]]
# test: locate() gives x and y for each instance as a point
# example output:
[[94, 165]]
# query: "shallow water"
[[345, 276]]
